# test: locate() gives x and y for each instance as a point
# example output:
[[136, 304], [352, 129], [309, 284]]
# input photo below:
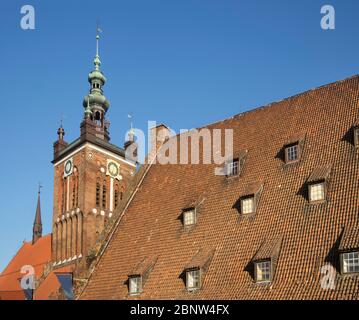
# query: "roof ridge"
[[279, 101]]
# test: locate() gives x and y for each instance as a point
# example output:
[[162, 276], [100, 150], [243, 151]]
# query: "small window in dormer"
[[135, 285], [193, 279], [350, 262], [248, 205], [189, 217], [263, 271], [292, 153], [318, 183], [233, 168], [317, 192]]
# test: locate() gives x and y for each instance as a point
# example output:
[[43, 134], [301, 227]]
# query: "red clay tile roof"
[[311, 234], [200, 259], [268, 249], [252, 188], [143, 267], [37, 255], [294, 138], [320, 173], [350, 239]]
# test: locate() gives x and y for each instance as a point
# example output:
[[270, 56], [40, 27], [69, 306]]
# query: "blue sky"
[[185, 63]]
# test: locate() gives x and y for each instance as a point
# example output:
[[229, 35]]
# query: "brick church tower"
[[91, 176]]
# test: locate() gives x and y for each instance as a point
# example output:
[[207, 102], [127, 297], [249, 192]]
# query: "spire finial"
[[40, 187], [131, 133], [98, 31], [97, 61]]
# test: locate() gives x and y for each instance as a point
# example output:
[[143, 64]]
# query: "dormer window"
[[317, 192], [293, 148], [135, 285], [139, 274], [193, 279], [292, 153], [263, 271], [233, 168], [350, 262], [189, 217], [248, 205], [318, 184], [195, 271], [266, 258]]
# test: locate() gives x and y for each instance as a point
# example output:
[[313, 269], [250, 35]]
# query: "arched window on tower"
[[122, 192], [74, 194], [98, 118], [75, 189], [98, 188], [104, 194], [63, 197], [117, 195]]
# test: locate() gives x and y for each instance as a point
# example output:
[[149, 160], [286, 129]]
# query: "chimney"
[[158, 136]]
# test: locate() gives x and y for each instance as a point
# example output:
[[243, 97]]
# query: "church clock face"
[[68, 168], [113, 169]]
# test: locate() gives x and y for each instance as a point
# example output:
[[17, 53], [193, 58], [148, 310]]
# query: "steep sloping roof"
[[36, 255], [311, 233]]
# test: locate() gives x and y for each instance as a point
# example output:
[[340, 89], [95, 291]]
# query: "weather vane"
[[62, 120]]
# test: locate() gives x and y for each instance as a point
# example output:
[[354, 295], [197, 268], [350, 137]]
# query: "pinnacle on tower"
[[37, 228]]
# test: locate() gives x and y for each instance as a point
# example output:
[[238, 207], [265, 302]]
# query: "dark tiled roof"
[[311, 234], [143, 267], [320, 173], [200, 259], [252, 188], [294, 138], [268, 249], [350, 239]]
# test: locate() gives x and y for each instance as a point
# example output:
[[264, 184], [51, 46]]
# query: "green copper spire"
[[96, 100]]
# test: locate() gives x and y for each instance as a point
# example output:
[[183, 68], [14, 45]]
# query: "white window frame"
[[193, 279], [263, 271], [244, 207], [315, 186], [233, 168], [135, 285], [292, 150], [356, 136], [350, 262], [189, 222]]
